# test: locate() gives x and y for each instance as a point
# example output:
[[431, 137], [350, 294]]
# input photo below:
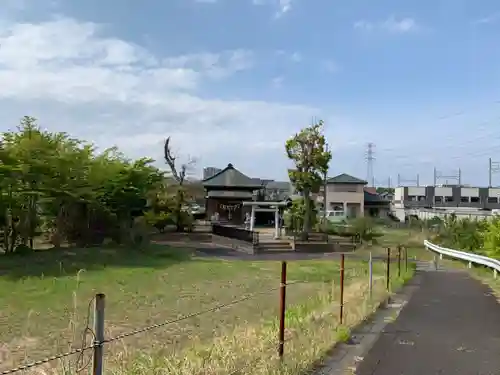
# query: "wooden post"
[[342, 270], [99, 334], [399, 261], [388, 270], [370, 276], [281, 346]]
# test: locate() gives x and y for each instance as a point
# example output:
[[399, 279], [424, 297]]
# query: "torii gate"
[[273, 206]]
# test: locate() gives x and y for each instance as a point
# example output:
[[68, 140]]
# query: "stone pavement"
[[450, 326]]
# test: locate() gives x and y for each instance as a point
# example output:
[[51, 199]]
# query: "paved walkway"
[[450, 326]]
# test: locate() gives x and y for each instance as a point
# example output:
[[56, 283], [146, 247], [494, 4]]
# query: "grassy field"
[[411, 239], [46, 298]]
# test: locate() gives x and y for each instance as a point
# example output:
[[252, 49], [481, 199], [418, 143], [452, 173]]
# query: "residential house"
[[277, 190], [349, 195], [376, 205], [345, 193]]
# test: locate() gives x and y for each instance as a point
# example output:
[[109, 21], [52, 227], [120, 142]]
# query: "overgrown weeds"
[[242, 339]]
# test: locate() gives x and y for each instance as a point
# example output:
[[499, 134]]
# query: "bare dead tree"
[[178, 174]]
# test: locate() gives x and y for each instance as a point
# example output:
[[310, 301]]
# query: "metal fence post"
[[406, 259], [281, 346], [99, 334], [399, 261], [388, 269], [342, 268], [370, 276]]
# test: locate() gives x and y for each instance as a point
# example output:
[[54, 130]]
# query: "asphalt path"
[[450, 326]]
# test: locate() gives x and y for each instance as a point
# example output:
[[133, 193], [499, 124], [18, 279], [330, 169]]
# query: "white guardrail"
[[494, 264]]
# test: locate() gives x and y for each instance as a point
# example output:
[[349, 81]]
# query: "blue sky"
[[231, 80]]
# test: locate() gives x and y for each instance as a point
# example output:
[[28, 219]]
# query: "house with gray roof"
[[226, 191], [344, 193]]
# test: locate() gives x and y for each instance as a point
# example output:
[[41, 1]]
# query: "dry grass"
[[47, 297]]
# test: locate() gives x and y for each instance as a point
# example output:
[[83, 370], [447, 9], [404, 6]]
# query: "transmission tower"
[[370, 158], [494, 168], [439, 176], [415, 181]]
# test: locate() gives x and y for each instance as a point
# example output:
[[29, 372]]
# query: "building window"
[[412, 198], [474, 199], [464, 199], [492, 200], [448, 199], [438, 199], [421, 198]]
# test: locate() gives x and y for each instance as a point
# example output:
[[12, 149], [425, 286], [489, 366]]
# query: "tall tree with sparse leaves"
[[179, 174], [307, 150]]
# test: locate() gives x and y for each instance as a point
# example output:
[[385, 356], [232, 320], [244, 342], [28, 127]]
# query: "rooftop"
[[232, 178], [344, 178]]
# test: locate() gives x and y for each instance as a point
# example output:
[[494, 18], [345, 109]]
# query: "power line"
[[440, 176], [384, 182], [405, 181]]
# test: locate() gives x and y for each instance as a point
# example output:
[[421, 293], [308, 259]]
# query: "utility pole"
[[325, 186], [411, 181], [383, 183], [439, 176], [494, 167], [370, 158]]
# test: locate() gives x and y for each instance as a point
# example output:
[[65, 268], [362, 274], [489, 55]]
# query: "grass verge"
[[47, 297], [411, 239]]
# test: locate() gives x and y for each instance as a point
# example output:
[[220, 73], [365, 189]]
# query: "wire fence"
[[96, 306]]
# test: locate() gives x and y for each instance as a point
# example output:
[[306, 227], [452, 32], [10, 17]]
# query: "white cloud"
[[391, 24], [74, 78], [296, 57], [277, 82], [283, 6], [492, 18], [330, 66]]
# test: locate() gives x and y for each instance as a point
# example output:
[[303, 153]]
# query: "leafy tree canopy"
[[54, 184], [307, 150]]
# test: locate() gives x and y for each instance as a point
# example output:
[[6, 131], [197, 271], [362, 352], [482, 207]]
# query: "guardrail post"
[[469, 265], [99, 334], [494, 273], [281, 338], [342, 268], [388, 270]]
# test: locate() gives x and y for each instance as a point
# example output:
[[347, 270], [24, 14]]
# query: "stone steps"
[[279, 245]]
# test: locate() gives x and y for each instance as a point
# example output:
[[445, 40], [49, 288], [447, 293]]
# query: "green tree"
[[381, 190], [58, 185], [307, 150], [294, 216]]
